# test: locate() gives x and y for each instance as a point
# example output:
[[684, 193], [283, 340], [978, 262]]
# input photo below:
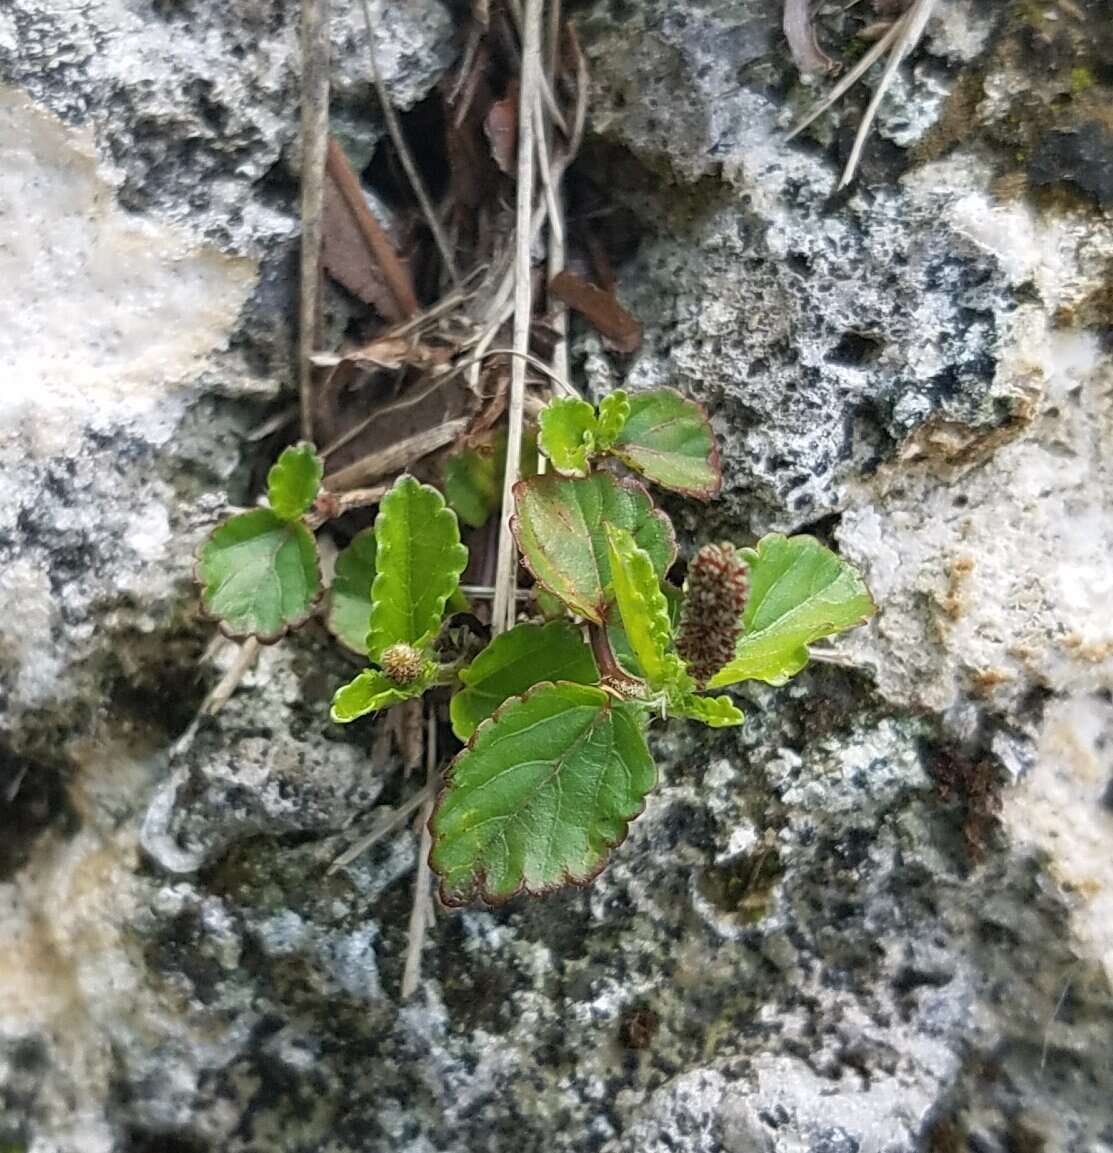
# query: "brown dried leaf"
[[394, 352], [345, 257], [378, 248], [501, 126], [601, 309]]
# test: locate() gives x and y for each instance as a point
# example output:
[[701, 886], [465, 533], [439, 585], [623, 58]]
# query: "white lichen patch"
[[1058, 809], [989, 556], [105, 310]]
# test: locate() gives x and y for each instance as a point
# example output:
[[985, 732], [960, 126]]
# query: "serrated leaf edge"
[[714, 459], [262, 638], [298, 447], [627, 482], [752, 555], [382, 553], [479, 893], [657, 614]]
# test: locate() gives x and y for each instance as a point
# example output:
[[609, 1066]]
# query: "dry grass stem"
[[422, 909], [384, 826], [315, 44]]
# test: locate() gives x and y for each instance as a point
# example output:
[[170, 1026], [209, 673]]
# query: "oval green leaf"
[[645, 614], [294, 480], [419, 559], [567, 435], [668, 439], [543, 792], [259, 575], [800, 591], [349, 598], [368, 692], [514, 662], [559, 523]]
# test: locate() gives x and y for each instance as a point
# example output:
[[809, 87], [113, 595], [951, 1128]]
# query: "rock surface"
[[875, 919]]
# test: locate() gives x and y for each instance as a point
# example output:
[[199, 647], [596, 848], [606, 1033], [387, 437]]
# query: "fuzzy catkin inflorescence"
[[712, 619], [402, 663]]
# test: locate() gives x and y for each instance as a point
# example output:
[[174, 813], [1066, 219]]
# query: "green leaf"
[[541, 794], [473, 482], [668, 439], [349, 599], [419, 561], [294, 480], [645, 614], [799, 592], [370, 691], [473, 477], [715, 712], [259, 575], [559, 524], [568, 434], [516, 661], [614, 411]]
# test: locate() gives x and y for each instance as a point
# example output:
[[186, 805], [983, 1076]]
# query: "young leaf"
[[541, 794], [559, 525], [370, 691], [715, 712], [514, 662], [294, 480], [259, 575], [419, 561], [568, 434], [349, 599], [645, 613], [668, 439], [799, 592], [614, 411]]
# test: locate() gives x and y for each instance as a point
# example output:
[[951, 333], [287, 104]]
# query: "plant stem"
[[609, 667]]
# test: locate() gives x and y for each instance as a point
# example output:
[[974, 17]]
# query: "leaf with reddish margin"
[[544, 790], [260, 575], [668, 439], [560, 524]]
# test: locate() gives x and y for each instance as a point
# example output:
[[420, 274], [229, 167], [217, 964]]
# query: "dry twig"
[[396, 456], [899, 41], [421, 913], [503, 608], [314, 136], [385, 825]]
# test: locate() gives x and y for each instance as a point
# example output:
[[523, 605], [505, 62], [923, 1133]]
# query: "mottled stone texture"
[[875, 920]]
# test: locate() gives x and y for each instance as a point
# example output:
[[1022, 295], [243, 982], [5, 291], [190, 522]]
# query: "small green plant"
[[553, 713]]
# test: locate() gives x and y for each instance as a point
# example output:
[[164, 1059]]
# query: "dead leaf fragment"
[[501, 126], [345, 258], [601, 309]]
